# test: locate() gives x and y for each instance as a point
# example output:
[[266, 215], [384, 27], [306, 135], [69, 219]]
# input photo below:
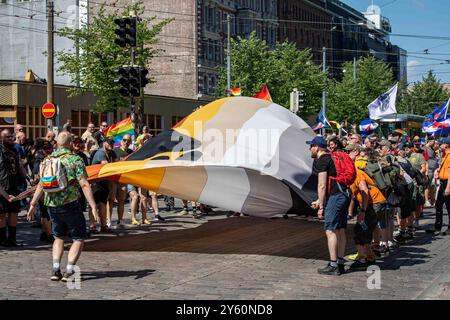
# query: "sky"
[[418, 17]]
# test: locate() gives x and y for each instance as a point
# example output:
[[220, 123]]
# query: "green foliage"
[[425, 95], [282, 69], [93, 69], [348, 99]]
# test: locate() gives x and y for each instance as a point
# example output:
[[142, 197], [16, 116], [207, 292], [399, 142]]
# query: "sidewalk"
[[223, 258]]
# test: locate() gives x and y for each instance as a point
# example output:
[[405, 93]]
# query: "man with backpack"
[[60, 175], [335, 172], [372, 206]]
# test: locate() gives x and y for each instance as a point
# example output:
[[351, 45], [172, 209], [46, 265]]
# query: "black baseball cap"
[[318, 141]]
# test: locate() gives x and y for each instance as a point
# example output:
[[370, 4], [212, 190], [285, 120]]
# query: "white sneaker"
[[108, 224], [428, 204]]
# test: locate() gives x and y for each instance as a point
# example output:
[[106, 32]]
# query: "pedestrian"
[[443, 192], [102, 189], [50, 136], [332, 205], [99, 136], [89, 140], [119, 190], [11, 175], [62, 203], [43, 149], [433, 165]]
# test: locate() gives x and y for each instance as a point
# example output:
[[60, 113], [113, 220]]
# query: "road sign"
[[48, 110]]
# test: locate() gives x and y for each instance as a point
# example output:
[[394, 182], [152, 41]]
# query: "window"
[[176, 119]]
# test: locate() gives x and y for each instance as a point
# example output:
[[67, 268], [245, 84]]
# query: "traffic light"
[[135, 82], [126, 31], [124, 81], [301, 100], [144, 80]]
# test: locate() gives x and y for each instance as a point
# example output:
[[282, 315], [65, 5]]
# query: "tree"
[[253, 65], [425, 95], [348, 99], [94, 68]]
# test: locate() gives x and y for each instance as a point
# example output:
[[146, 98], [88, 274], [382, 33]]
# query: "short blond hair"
[[64, 139]]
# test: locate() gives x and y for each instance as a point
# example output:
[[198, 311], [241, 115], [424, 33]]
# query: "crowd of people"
[[382, 182]]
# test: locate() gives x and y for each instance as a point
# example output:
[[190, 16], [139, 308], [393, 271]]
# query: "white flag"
[[384, 105]]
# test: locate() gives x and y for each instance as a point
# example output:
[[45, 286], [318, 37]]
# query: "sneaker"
[[392, 246], [428, 204], [409, 235], [134, 222], [159, 218], [146, 222], [341, 268], [14, 244], [108, 224], [120, 225], [359, 265], [329, 270], [384, 250], [197, 216], [353, 257], [66, 276], [399, 238], [184, 212], [105, 229], [56, 275]]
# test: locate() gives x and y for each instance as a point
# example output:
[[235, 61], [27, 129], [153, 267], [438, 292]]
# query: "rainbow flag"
[[402, 132], [335, 123], [264, 94], [235, 91], [119, 129]]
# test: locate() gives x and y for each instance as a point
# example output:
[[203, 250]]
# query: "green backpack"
[[374, 170]]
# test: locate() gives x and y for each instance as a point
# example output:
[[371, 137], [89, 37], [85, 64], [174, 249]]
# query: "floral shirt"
[[75, 170]]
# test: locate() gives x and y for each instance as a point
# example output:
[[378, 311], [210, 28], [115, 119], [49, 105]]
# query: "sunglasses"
[[126, 140]]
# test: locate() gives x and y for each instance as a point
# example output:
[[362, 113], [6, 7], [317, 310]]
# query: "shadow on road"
[[116, 274], [245, 235]]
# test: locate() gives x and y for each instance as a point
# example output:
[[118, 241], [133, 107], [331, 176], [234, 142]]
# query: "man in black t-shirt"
[[11, 175], [332, 204]]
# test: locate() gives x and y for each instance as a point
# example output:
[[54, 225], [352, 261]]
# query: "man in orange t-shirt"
[[443, 194], [372, 203]]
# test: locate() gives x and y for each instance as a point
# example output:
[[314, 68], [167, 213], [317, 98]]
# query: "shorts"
[[68, 219], [361, 236], [9, 207], [131, 188], [43, 210], [118, 191], [100, 190], [336, 212], [408, 203], [383, 214]]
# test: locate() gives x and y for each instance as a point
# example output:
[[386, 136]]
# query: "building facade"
[[24, 101]]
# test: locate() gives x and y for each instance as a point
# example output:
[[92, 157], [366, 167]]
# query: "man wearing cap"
[[433, 165], [332, 205], [443, 193]]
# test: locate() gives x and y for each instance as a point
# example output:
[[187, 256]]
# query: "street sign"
[[48, 110]]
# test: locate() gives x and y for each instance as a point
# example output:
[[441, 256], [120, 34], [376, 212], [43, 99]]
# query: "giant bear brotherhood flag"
[[242, 154]]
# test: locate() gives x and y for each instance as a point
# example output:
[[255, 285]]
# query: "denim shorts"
[[336, 211], [68, 220]]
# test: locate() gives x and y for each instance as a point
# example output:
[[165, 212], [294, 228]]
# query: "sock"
[[341, 261], [333, 264], [56, 265], [3, 234], [12, 233], [69, 268]]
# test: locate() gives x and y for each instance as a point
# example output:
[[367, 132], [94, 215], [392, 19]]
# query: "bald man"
[[11, 174], [64, 208]]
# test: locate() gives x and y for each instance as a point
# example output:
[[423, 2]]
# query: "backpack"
[[345, 168], [374, 171], [53, 174]]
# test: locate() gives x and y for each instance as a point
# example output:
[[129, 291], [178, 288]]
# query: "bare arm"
[[365, 199], [322, 192], [37, 195]]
